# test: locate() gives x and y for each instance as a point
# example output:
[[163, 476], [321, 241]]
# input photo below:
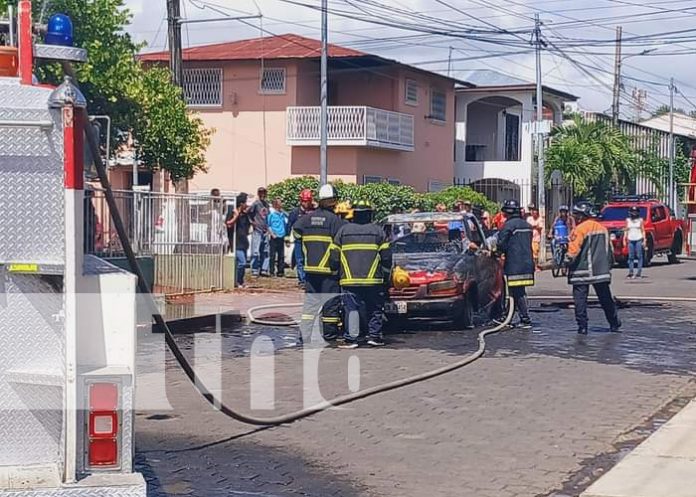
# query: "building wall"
[[517, 171], [248, 147]]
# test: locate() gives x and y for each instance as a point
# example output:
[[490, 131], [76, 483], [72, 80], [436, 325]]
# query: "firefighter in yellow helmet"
[[364, 258]]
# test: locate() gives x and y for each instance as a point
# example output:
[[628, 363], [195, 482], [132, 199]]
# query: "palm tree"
[[593, 158]]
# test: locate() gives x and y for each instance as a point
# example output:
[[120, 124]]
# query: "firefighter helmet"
[[327, 192], [344, 210], [511, 207], [583, 208], [363, 206]]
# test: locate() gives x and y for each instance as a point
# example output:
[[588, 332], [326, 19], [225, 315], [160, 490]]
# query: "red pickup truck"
[[664, 232]]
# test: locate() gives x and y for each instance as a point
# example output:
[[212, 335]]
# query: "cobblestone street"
[[539, 410]]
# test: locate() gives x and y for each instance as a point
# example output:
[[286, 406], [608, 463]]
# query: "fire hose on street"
[[184, 363]]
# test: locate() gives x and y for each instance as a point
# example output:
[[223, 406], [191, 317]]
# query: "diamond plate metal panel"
[[31, 178], [58, 52], [115, 486], [32, 342]]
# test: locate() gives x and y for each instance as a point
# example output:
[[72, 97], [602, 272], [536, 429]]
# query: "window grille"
[[394, 181], [273, 80], [203, 87], [438, 105], [411, 92], [371, 179]]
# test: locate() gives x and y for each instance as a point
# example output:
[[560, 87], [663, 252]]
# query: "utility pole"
[[449, 62], [324, 117], [174, 24], [617, 79], [175, 63], [672, 190], [541, 184]]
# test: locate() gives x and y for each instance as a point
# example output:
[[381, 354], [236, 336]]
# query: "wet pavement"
[[541, 409]]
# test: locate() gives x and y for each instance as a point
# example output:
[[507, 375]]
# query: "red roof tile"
[[288, 46]]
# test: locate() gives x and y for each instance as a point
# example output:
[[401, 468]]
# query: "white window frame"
[[212, 71], [264, 91], [437, 118], [408, 82], [368, 179]]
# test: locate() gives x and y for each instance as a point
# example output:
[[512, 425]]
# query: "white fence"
[[185, 235], [351, 125]]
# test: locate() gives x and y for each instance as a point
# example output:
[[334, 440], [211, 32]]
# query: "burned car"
[[443, 268]]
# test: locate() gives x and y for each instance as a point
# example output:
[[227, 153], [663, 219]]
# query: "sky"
[[579, 55]]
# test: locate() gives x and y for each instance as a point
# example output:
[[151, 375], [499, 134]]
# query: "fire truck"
[[67, 320]]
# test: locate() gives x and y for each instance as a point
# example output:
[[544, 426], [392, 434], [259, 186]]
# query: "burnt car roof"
[[426, 217]]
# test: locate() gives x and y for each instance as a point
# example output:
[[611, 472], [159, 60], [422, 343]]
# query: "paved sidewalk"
[[662, 466]]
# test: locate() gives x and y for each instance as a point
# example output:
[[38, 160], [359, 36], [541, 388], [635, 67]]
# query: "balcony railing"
[[351, 126]]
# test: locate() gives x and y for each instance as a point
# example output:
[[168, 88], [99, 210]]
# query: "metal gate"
[[185, 235]]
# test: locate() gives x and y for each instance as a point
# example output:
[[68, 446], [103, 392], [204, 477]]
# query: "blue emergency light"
[[60, 31]]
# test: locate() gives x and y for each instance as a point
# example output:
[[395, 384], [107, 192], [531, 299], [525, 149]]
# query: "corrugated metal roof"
[[287, 46], [488, 77]]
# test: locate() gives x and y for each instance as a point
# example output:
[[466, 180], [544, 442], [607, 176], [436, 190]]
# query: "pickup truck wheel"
[[676, 249], [464, 315], [648, 253]]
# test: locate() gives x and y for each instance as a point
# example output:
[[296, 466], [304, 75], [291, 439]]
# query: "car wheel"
[[464, 314], [676, 249]]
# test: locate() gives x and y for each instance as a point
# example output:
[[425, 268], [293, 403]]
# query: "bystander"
[[277, 230], [258, 215], [238, 224]]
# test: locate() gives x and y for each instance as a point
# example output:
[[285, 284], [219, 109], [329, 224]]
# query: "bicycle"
[[559, 251]]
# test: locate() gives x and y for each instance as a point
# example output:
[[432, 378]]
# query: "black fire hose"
[[181, 359]]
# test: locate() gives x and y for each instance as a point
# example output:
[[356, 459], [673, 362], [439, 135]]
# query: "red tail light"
[[103, 425]]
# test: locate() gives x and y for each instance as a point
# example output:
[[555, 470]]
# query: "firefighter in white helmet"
[[316, 232]]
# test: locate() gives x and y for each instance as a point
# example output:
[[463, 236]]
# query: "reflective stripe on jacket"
[[316, 231], [590, 253], [515, 241], [363, 254]]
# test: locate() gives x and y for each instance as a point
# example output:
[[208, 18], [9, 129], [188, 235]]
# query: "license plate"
[[398, 307]]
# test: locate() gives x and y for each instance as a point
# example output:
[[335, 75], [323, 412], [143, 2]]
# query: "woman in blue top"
[[277, 231]]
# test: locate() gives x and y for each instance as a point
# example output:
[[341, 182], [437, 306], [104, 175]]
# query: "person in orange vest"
[[590, 258]]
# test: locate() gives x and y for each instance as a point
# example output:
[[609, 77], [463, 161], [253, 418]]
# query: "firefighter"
[[589, 260], [364, 258], [316, 231], [515, 242]]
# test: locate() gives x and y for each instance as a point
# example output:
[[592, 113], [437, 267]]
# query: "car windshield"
[[428, 242], [619, 213]]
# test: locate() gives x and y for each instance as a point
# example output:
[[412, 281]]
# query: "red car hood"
[[614, 225], [424, 277]]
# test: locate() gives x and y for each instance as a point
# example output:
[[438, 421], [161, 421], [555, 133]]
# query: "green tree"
[[139, 102], [655, 167], [593, 157]]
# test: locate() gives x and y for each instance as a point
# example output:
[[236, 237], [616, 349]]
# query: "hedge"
[[385, 197]]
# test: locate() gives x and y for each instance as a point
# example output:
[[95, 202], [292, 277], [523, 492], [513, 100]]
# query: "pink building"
[[387, 121]]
